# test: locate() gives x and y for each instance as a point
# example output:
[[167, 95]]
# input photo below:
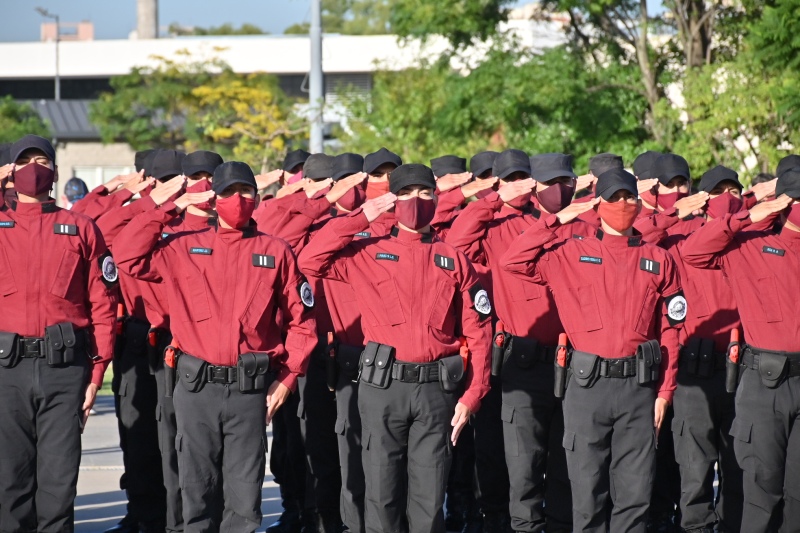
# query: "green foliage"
[[224, 29], [17, 120], [350, 17]]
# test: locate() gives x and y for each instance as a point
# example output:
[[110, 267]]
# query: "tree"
[[224, 29], [351, 17], [18, 119]]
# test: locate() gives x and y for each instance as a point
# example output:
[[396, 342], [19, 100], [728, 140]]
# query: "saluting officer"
[[762, 269], [621, 304], [225, 289], [417, 297], [59, 293]]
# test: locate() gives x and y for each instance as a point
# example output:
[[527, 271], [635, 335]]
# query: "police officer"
[[625, 350], [74, 190], [56, 339], [412, 371], [294, 161], [118, 191], [378, 166], [646, 180], [761, 267], [451, 173], [225, 288], [597, 165]]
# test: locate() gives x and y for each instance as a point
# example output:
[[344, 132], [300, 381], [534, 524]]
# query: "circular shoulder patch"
[[306, 294], [109, 269], [677, 308], [482, 303]]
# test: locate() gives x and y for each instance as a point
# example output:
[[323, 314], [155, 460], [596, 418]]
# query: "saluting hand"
[[377, 206], [164, 190], [764, 189], [138, 184], [265, 180], [88, 402], [123, 179], [277, 394], [573, 211], [451, 181], [691, 205], [313, 187], [660, 413], [474, 187], [517, 188], [192, 198], [343, 185], [460, 419], [292, 188], [646, 185], [761, 211], [5, 170], [584, 182]]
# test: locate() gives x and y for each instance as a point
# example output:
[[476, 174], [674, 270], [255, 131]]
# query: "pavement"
[[100, 503]]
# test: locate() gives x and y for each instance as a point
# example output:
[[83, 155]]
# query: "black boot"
[[290, 520], [473, 523], [315, 522], [497, 522], [128, 524], [454, 517]]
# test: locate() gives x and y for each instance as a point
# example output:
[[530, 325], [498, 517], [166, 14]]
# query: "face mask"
[[520, 202], [649, 197], [667, 201], [414, 213], [724, 204], [619, 215], [480, 195], [34, 179], [236, 210], [201, 186], [377, 188], [353, 198], [294, 179], [794, 214], [556, 197]]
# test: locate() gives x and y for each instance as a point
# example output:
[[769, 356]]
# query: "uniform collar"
[[233, 235], [410, 236], [789, 235], [34, 208], [619, 241]]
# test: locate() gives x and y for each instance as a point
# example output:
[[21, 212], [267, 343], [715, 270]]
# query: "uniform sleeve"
[[673, 308], [299, 325], [469, 228], [81, 206], [113, 221], [654, 228], [750, 200], [475, 314], [447, 208], [139, 255], [102, 298], [104, 203], [323, 257], [291, 221], [707, 246], [524, 258]]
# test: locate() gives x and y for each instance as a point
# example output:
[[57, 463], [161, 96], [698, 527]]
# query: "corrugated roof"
[[68, 119]]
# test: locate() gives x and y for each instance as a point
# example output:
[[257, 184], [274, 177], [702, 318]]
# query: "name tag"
[[7, 224], [387, 257], [590, 259], [363, 234], [65, 229], [773, 251], [201, 251], [263, 261]]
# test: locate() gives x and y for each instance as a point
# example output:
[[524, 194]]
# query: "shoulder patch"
[[200, 251], [648, 265], [383, 256], [306, 294], [773, 251], [363, 234], [676, 308], [108, 270], [480, 301], [590, 259], [65, 229], [263, 261], [447, 263], [7, 224]]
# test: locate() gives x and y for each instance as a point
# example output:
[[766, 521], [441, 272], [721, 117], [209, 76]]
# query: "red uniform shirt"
[[448, 207], [613, 293], [224, 289], [99, 202], [51, 271], [415, 293], [762, 269], [484, 231], [590, 217]]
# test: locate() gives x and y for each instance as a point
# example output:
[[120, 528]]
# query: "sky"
[[115, 19]]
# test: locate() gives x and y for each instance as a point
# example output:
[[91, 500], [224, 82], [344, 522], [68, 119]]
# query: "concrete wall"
[[80, 157]]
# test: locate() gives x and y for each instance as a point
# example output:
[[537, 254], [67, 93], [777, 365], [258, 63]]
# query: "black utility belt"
[[698, 358], [250, 372], [62, 345], [773, 367], [587, 368], [378, 368], [523, 351]]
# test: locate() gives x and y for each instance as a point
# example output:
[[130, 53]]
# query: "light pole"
[[45, 13], [316, 95]]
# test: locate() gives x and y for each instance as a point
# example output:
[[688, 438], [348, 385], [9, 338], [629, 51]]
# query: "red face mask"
[[377, 188], [294, 179], [649, 197], [556, 197], [619, 215], [235, 210], [201, 186], [667, 201], [794, 214], [724, 204], [415, 213], [520, 202], [34, 179], [353, 198]]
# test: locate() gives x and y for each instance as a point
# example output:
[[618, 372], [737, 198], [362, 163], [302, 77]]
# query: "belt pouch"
[[71, 344], [585, 368], [347, 358], [523, 350], [9, 355], [773, 368], [451, 372], [707, 364], [376, 365], [54, 344], [648, 362], [192, 372], [252, 371], [691, 355]]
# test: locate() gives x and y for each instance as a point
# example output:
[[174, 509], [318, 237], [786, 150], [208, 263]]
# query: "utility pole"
[[316, 97], [45, 13]]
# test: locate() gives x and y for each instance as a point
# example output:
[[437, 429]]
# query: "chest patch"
[[65, 229], [447, 263], [773, 251], [263, 261], [648, 265], [7, 224], [200, 251], [590, 259], [382, 256], [363, 235]]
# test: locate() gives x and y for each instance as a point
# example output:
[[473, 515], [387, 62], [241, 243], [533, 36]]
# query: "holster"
[[157, 339], [171, 358], [500, 343], [648, 362], [62, 343], [585, 368], [697, 357], [331, 367], [523, 350], [773, 368], [192, 372], [451, 372], [347, 359], [375, 368], [9, 355], [732, 364], [251, 370]]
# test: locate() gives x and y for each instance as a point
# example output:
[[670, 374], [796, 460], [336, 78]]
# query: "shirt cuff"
[[98, 371], [666, 395], [124, 195], [740, 221], [287, 378], [493, 200], [471, 400], [552, 222]]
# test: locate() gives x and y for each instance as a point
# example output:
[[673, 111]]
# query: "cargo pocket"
[[259, 302], [388, 312], [741, 431], [568, 441], [590, 311], [440, 318], [7, 284], [523, 291], [646, 312], [199, 309], [509, 430], [65, 274], [340, 427], [680, 441], [768, 294], [301, 410]]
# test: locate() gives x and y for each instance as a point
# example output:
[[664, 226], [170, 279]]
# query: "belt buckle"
[[411, 373], [217, 374], [31, 347], [616, 367]]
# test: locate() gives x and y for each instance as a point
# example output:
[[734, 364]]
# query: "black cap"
[[232, 172], [717, 175], [346, 164], [644, 163], [448, 164], [790, 161], [482, 162], [412, 174], [616, 179], [200, 161], [5, 154], [75, 189], [383, 156], [29, 142], [147, 162], [318, 167], [166, 164], [545, 167], [510, 161], [294, 158], [789, 183], [603, 162], [141, 157], [668, 166]]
